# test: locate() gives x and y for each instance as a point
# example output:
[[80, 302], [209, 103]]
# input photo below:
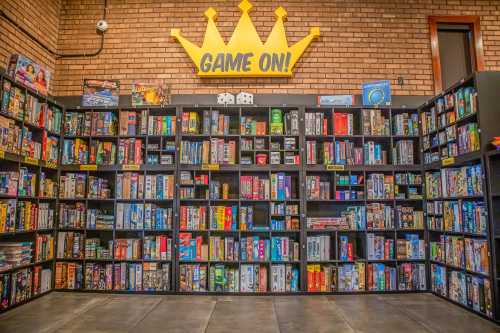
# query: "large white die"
[[244, 98], [225, 98]]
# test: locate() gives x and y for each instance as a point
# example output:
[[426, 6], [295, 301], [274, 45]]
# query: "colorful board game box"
[[149, 94], [101, 92], [377, 93], [29, 73]]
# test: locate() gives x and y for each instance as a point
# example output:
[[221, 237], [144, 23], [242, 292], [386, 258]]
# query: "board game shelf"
[[240, 148], [492, 160], [30, 126], [456, 128], [120, 163], [215, 199], [336, 187]]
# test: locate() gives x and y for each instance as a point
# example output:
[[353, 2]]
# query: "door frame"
[[475, 24]]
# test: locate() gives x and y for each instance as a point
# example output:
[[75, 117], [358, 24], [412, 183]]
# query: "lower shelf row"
[[471, 291], [19, 286], [245, 278], [22, 285]]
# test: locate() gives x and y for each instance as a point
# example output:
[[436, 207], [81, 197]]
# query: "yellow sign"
[[51, 165], [245, 55], [335, 167], [2, 154], [88, 167], [210, 167], [448, 161], [131, 167], [30, 160]]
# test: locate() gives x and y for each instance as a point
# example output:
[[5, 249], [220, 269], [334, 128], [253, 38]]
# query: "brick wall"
[[41, 19], [360, 40]]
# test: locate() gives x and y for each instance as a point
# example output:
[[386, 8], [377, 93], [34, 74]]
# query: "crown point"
[[314, 32], [175, 33], [245, 6], [280, 12], [211, 14]]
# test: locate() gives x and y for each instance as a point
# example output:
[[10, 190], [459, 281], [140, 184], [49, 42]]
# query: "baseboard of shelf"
[[239, 293], [465, 307], [26, 301]]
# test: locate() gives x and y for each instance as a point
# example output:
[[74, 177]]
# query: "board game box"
[[149, 94], [377, 93], [100, 92], [29, 73]]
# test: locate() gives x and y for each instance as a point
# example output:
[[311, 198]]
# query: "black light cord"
[[45, 47]]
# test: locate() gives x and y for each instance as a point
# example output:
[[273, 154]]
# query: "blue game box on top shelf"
[[100, 93]]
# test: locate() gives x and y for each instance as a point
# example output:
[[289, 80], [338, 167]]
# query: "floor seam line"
[[276, 314], [341, 313], [85, 309], [151, 309], [410, 316], [211, 314]]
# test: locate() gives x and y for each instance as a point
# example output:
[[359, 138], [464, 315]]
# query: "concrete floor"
[[82, 312]]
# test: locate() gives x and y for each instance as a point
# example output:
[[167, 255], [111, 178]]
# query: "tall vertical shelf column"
[[457, 126], [239, 218], [363, 197], [493, 174], [118, 200], [30, 128]]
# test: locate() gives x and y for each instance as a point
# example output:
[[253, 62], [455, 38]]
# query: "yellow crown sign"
[[245, 55]]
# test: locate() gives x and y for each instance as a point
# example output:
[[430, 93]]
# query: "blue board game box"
[[343, 100], [377, 93], [101, 93]]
